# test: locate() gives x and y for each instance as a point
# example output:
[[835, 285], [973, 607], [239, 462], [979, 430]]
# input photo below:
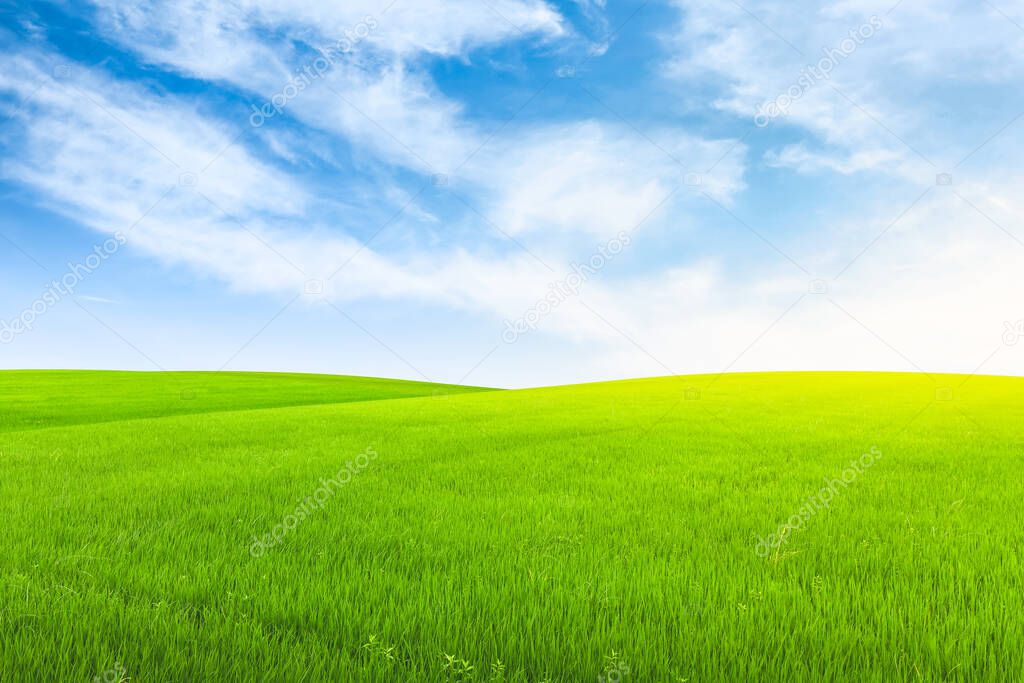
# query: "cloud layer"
[[901, 242]]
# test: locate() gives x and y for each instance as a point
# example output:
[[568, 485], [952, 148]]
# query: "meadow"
[[742, 527]]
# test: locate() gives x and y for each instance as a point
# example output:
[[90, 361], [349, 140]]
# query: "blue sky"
[[512, 192]]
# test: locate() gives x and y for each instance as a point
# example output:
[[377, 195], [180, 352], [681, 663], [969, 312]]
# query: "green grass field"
[[208, 527]]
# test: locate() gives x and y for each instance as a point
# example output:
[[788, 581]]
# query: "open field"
[[620, 530], [66, 397]]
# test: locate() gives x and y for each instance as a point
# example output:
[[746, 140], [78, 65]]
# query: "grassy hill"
[[34, 398], [775, 527]]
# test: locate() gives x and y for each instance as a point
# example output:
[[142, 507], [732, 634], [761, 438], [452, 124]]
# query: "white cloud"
[[96, 149], [932, 294], [109, 154], [878, 109], [230, 40], [394, 112], [937, 286], [380, 101], [376, 96], [802, 159], [599, 179]]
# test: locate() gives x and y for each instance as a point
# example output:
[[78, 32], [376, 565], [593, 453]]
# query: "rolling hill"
[[756, 527]]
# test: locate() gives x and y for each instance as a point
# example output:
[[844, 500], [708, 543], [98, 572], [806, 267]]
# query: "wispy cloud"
[[850, 232]]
